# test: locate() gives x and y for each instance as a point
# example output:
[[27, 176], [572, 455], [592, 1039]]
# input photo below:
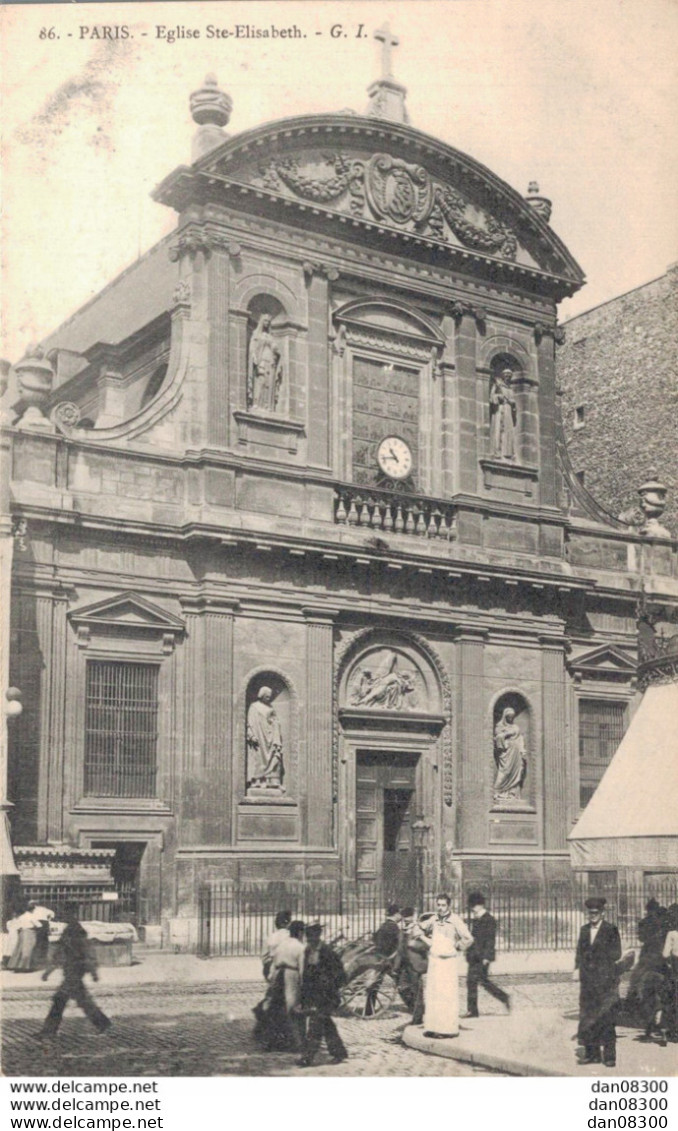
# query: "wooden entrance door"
[[385, 810]]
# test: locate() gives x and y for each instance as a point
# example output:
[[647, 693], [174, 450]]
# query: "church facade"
[[304, 573]]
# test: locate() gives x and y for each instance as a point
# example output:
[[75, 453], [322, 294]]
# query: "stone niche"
[[269, 730], [514, 783]]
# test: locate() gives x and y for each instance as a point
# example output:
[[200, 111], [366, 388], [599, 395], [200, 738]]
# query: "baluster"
[[388, 517], [399, 520], [352, 517], [421, 524], [341, 514], [452, 534], [409, 523], [433, 519], [376, 514], [363, 512], [443, 529]]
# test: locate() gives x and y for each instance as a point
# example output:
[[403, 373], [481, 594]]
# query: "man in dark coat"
[[74, 955], [411, 964], [483, 927], [387, 936], [321, 982], [598, 952]]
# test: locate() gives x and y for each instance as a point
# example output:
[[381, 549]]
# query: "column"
[[318, 399], [555, 742], [217, 365], [472, 799], [318, 786]]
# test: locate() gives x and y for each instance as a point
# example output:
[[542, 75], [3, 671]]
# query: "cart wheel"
[[369, 995]]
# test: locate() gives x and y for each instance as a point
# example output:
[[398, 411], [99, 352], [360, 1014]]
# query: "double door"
[[386, 806]]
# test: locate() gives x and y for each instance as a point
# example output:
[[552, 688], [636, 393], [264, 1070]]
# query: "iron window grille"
[[121, 729], [601, 729]]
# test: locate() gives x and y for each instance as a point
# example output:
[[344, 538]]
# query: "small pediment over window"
[[607, 661], [129, 613]]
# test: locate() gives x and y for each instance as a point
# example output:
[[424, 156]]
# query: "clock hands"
[[393, 455]]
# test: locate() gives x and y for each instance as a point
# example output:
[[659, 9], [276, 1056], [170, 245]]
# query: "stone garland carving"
[[361, 639], [401, 193]]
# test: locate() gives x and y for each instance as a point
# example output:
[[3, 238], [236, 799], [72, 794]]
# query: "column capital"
[[320, 614]]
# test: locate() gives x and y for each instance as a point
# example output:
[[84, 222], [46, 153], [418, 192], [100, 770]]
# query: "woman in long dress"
[[279, 1023], [21, 960], [447, 936]]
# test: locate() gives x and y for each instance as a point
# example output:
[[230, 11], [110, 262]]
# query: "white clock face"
[[394, 457]]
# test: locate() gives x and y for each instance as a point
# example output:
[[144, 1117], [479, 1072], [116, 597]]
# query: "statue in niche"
[[264, 368], [386, 686], [510, 756], [503, 416], [265, 767]]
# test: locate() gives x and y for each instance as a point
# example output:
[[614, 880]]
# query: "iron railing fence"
[[236, 918], [89, 900]]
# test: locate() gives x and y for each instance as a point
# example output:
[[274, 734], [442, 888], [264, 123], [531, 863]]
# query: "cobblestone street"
[[206, 1030]]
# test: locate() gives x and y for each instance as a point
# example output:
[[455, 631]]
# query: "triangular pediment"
[[127, 610], [382, 176], [605, 659]]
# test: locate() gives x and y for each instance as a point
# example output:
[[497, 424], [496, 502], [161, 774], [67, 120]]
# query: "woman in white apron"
[[447, 936]]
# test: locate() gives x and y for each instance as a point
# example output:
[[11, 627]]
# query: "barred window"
[[121, 729], [601, 729]]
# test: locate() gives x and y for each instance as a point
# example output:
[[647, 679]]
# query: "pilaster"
[[472, 799], [319, 716], [466, 403], [555, 742], [318, 404], [547, 420], [218, 369]]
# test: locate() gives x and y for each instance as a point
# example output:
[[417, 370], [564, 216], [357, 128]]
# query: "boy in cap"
[[322, 980], [598, 952]]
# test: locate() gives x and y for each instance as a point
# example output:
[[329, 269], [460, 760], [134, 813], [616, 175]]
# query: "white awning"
[[632, 818]]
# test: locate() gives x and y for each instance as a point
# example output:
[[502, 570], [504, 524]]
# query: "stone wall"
[[618, 364]]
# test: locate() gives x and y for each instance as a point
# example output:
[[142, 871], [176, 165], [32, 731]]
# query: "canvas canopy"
[[632, 818]]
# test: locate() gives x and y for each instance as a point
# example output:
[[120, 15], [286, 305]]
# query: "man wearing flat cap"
[[598, 952]]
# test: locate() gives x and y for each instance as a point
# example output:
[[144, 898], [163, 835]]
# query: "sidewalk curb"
[[449, 1047]]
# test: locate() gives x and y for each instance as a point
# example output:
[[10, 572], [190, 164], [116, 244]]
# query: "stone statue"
[[510, 757], [503, 416], [265, 768], [264, 368], [385, 687]]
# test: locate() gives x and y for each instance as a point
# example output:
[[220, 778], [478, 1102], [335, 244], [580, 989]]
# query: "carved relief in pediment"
[[387, 189], [386, 679]]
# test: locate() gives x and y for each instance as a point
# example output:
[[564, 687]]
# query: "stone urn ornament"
[[35, 376]]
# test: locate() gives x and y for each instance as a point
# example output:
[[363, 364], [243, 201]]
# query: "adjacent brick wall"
[[620, 362]]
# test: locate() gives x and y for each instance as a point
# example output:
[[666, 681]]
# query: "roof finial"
[[387, 97], [540, 204], [388, 41], [210, 110]]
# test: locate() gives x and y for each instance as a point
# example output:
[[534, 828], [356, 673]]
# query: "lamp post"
[[420, 831]]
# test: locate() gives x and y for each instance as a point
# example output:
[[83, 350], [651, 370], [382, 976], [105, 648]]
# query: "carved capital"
[[190, 243]]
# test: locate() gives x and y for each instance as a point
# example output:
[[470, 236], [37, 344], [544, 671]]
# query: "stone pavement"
[[541, 1042], [203, 1029]]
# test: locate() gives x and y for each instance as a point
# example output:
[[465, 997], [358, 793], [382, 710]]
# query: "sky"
[[579, 95]]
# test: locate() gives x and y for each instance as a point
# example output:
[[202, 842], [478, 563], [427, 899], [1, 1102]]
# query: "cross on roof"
[[388, 41]]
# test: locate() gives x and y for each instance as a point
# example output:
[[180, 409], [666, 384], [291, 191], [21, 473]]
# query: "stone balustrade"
[[391, 512]]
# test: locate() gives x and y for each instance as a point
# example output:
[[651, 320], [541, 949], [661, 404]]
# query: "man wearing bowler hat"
[[598, 952]]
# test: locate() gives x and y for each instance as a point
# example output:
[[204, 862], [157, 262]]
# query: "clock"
[[394, 457]]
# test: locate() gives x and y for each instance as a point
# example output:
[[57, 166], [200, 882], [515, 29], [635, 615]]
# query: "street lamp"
[[420, 831]]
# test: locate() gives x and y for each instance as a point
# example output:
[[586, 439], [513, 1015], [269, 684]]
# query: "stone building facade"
[[619, 378], [304, 561]]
